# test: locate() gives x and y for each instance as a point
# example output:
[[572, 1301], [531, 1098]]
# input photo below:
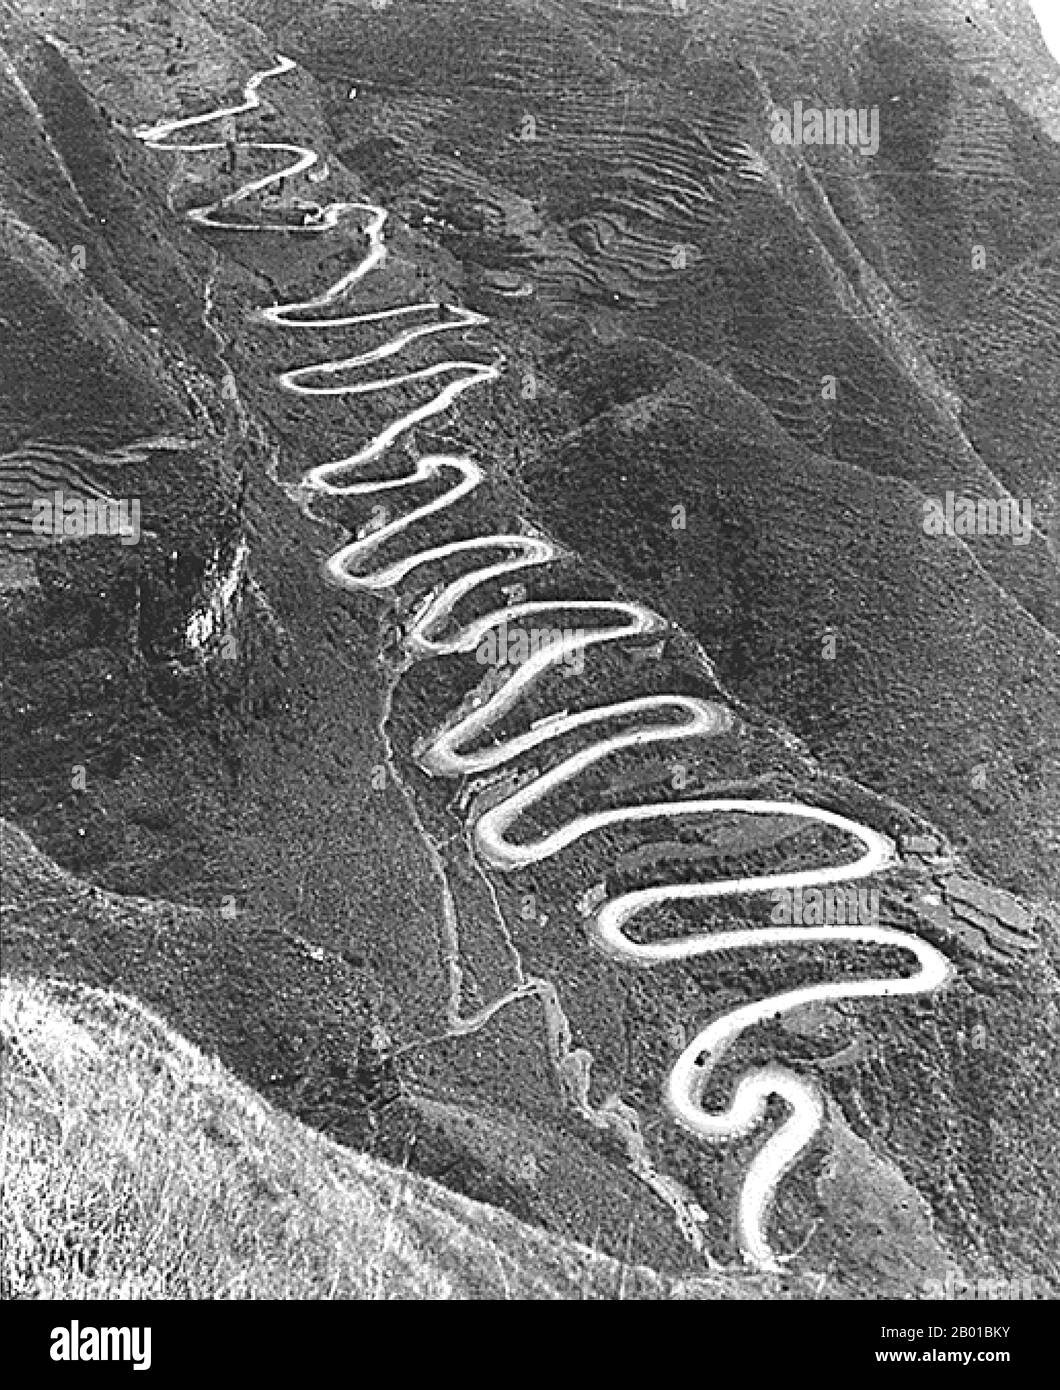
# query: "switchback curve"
[[446, 752]]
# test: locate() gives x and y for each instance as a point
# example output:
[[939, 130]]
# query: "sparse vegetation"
[[135, 1167], [263, 830]]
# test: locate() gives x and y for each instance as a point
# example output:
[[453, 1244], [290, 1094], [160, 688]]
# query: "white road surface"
[[448, 751]]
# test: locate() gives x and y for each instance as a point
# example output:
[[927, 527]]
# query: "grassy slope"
[[134, 1166]]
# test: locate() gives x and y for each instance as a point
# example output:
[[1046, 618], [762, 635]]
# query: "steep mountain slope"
[[734, 373], [648, 200], [122, 1140]]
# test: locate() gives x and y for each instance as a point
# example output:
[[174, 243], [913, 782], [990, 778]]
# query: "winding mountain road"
[[446, 752]]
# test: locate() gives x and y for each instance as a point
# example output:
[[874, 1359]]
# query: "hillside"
[[720, 377], [135, 1167]]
